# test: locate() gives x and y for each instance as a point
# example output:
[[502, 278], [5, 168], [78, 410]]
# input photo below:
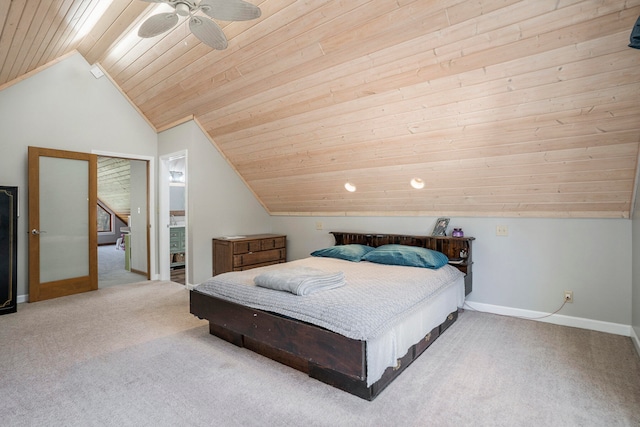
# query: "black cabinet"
[[8, 249]]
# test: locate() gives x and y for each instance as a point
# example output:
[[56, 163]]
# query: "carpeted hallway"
[[111, 269], [132, 355]]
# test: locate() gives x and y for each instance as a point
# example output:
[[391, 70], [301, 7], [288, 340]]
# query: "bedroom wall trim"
[[636, 340], [556, 319]]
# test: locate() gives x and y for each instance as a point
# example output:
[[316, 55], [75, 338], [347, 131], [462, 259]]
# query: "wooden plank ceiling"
[[501, 107], [114, 185]]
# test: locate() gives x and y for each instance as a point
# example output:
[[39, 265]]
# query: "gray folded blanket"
[[300, 280]]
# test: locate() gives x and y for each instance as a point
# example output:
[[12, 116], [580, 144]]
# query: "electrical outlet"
[[318, 225], [502, 230], [568, 296]]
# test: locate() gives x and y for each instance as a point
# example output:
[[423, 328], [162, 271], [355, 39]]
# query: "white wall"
[[139, 216], [528, 270], [63, 107], [219, 203]]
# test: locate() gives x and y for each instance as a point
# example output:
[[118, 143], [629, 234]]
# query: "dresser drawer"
[[246, 247], [176, 245], [249, 259], [259, 245], [275, 243], [250, 251]]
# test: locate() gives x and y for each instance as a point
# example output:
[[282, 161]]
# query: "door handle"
[[36, 232]]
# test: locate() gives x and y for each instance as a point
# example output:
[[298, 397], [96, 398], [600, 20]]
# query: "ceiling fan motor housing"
[[183, 9]]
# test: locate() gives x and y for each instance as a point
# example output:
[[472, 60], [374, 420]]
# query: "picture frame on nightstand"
[[440, 229]]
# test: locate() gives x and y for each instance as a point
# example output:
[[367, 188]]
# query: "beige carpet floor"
[[111, 271], [132, 355]]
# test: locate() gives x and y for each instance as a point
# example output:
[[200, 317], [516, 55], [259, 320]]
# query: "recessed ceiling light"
[[417, 183], [350, 187]]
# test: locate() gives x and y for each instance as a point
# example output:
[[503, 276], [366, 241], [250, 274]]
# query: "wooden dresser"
[[246, 252]]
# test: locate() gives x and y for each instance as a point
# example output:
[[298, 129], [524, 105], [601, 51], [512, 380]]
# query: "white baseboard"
[[635, 339], [556, 319]]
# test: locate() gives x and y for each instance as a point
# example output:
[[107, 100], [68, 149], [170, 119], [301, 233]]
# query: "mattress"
[[389, 307]]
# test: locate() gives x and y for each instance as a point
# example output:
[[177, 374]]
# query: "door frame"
[[151, 213], [164, 216]]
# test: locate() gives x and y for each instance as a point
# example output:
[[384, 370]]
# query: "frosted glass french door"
[[62, 223]]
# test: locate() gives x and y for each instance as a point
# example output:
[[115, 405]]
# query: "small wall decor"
[[440, 228]]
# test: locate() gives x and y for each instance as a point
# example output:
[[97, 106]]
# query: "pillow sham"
[[352, 252], [410, 256]]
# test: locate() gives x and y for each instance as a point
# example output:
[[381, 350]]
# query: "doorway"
[[63, 248], [123, 237], [174, 218], [144, 264]]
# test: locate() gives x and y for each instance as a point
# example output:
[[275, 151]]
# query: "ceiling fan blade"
[[230, 10], [157, 24], [208, 32]]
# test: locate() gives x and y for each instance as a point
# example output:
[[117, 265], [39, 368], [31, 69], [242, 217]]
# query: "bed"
[[361, 359]]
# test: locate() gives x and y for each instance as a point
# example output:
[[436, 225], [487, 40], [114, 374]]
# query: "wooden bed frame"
[[324, 355]]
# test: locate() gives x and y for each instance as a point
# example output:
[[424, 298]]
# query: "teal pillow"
[[352, 252], [411, 256]]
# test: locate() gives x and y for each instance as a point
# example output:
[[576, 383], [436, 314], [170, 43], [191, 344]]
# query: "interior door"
[[63, 255]]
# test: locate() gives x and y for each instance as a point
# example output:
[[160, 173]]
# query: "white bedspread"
[[389, 307], [375, 296]]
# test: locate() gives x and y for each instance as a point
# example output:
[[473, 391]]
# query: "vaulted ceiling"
[[500, 107]]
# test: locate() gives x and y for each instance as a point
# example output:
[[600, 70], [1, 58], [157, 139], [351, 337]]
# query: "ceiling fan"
[[202, 27]]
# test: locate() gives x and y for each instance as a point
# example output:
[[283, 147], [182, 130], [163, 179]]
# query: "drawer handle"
[[450, 317], [428, 337]]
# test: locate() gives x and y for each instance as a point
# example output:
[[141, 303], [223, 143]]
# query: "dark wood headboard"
[[455, 248]]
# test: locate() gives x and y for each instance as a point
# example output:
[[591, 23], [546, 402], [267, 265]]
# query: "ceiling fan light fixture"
[[205, 29], [183, 9]]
